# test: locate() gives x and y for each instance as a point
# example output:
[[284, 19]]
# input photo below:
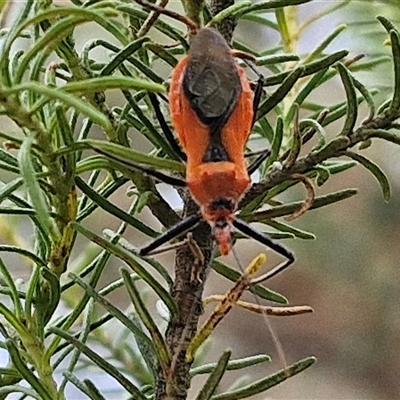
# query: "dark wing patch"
[[211, 81]]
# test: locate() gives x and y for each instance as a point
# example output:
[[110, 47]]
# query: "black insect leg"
[[258, 89], [258, 161], [164, 126], [170, 180], [176, 230], [272, 244], [256, 102], [257, 97]]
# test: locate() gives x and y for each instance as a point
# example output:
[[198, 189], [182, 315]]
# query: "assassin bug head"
[[212, 111], [219, 214]]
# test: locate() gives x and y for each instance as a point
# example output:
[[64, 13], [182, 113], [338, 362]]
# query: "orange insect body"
[[211, 106]]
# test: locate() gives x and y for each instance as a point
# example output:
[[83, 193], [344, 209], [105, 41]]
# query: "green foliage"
[[56, 106]]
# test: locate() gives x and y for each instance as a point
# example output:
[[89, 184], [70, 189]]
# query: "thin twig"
[[308, 202], [243, 55], [169, 247], [151, 19], [353, 59], [260, 309], [199, 259], [309, 133], [172, 14], [334, 148]]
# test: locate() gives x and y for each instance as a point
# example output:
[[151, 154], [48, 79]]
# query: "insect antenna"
[[266, 240], [271, 330]]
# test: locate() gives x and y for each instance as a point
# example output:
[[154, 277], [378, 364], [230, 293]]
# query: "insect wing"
[[211, 81], [208, 92]]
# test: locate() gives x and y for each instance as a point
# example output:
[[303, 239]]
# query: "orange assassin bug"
[[213, 111]]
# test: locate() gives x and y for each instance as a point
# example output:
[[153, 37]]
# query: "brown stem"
[[187, 293], [308, 202], [332, 149], [228, 25]]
